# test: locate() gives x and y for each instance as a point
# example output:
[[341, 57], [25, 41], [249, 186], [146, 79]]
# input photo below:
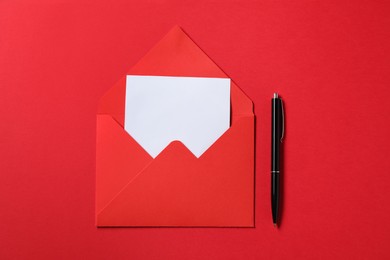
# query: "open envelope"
[[175, 188]]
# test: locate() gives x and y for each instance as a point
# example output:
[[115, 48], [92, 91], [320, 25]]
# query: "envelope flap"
[[115, 169], [177, 189], [175, 55], [113, 102]]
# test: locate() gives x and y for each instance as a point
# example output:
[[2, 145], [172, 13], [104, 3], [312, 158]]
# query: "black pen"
[[277, 136]]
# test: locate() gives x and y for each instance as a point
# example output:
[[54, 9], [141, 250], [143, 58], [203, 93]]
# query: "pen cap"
[[276, 132]]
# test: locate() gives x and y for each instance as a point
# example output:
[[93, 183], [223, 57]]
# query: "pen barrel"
[[277, 123], [275, 195]]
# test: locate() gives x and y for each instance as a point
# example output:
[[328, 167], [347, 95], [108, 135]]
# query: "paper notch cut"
[[162, 109]]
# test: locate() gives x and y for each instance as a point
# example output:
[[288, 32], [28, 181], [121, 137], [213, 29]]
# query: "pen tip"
[[276, 95], [274, 225]]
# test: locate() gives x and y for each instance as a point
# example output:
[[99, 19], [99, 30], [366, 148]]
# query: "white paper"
[[159, 110]]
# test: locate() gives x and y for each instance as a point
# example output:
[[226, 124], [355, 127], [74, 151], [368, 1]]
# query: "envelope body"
[[175, 189]]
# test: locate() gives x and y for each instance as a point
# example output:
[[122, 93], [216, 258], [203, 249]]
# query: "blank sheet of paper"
[[159, 110]]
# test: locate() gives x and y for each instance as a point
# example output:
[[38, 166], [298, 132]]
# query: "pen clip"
[[281, 104]]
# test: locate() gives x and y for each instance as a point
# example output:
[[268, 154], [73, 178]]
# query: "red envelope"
[[175, 188]]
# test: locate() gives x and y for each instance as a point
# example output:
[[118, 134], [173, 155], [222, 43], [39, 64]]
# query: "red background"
[[329, 61]]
